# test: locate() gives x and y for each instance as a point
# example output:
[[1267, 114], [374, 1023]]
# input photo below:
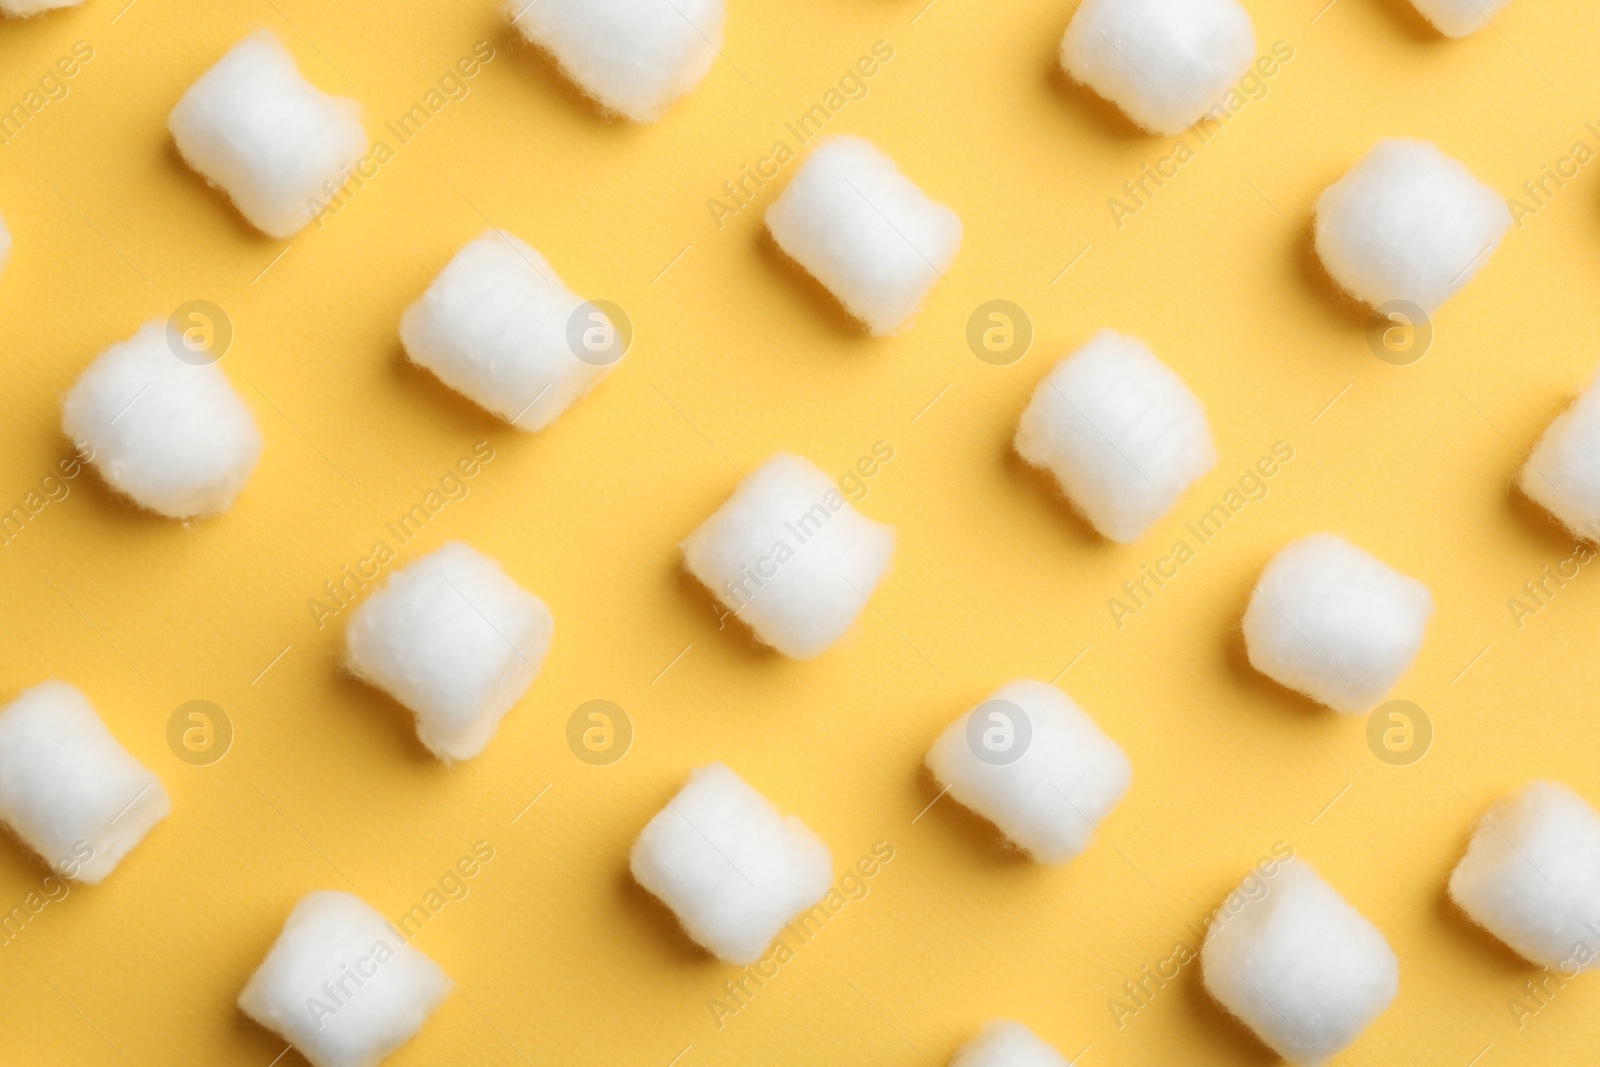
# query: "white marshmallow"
[[1007, 1044], [1407, 223], [454, 639], [341, 985], [1563, 474], [1335, 622], [1033, 763], [24, 8], [732, 869], [171, 435], [68, 790], [497, 326], [865, 231], [1166, 63], [789, 555], [1120, 431], [269, 138], [1457, 18], [1298, 965], [633, 56], [1531, 876], [5, 244]]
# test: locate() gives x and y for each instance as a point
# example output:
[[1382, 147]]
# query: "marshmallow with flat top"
[[272, 141], [865, 231], [499, 327], [1165, 63], [1007, 1044], [170, 434], [1531, 876], [1334, 622], [1458, 18], [341, 985], [455, 640], [1032, 762], [1563, 474], [636, 57], [732, 869], [1407, 223], [68, 790], [1120, 431], [1298, 965], [790, 556]]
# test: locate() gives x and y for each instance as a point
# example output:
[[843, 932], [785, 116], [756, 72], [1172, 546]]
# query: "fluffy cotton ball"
[[1531, 876], [1007, 1044], [170, 434], [24, 8], [455, 640], [1563, 474], [1335, 622], [499, 327], [1298, 965], [1030, 761], [634, 56], [1120, 431], [1457, 18], [865, 231], [341, 985], [790, 556], [1166, 63], [268, 137], [732, 869], [1407, 223], [68, 789]]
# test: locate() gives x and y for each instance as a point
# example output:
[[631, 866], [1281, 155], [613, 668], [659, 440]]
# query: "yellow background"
[[557, 956]]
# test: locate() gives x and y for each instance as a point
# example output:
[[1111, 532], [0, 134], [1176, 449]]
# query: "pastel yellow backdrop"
[[556, 955]]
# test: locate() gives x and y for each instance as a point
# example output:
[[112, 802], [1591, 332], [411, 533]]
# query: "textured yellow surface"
[[557, 956]]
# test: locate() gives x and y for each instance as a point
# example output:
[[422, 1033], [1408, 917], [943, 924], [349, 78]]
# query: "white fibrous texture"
[[635, 57], [341, 985], [1407, 223], [1165, 63], [456, 641], [24, 8], [1033, 763], [68, 790], [1531, 876], [789, 555], [1120, 431], [499, 327], [1007, 1044], [1457, 18], [272, 141], [865, 231], [1298, 965], [170, 434], [1335, 622], [732, 869], [1563, 474]]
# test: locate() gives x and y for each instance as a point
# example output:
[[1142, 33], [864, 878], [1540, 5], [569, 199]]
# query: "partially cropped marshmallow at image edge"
[[1032, 762], [5, 244], [1531, 876], [455, 640], [789, 555], [499, 327], [68, 789], [1407, 223], [1335, 622], [341, 985], [1002, 1043], [272, 141], [865, 231], [1298, 965], [1120, 431], [25, 8], [1457, 18], [170, 434], [635, 57], [1563, 473], [1165, 63], [730, 867]]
